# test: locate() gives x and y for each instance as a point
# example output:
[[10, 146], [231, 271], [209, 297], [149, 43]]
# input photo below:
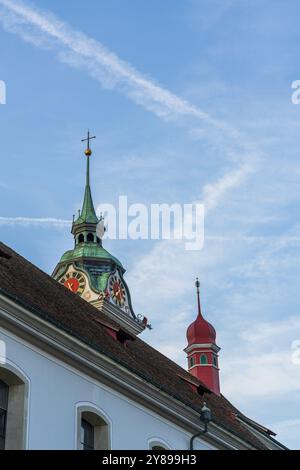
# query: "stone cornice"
[[210, 346]]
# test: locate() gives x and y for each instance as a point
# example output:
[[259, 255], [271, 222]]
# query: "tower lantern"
[[202, 350]]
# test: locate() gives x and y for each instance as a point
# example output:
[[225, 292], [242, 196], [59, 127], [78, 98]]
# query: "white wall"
[[56, 389]]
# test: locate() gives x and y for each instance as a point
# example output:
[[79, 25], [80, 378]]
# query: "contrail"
[[214, 192], [74, 48], [46, 31], [26, 221]]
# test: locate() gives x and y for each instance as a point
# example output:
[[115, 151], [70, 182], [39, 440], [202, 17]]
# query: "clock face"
[[117, 291], [74, 281]]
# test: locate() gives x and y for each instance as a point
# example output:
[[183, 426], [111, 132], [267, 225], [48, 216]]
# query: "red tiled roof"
[[29, 286]]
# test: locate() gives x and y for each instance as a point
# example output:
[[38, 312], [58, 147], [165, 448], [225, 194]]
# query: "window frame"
[[204, 361], [158, 442], [87, 442], [17, 416], [81, 410]]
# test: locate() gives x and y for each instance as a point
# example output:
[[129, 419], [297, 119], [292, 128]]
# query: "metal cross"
[[88, 140]]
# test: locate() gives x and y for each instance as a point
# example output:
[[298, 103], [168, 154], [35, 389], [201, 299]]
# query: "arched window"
[[13, 409], [156, 443], [80, 238], [203, 359], [93, 430], [90, 237], [192, 361]]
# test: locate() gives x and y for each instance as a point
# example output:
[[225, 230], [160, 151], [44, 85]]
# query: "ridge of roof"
[[256, 425]]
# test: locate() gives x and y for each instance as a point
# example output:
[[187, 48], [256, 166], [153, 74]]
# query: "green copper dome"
[[89, 251]]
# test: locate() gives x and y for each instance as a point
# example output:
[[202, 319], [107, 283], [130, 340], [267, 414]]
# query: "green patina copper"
[[88, 213], [88, 251], [102, 281]]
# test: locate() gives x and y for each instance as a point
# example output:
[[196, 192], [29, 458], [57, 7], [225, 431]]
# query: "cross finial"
[[197, 284], [88, 151]]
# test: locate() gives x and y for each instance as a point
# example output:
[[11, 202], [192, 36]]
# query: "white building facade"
[[56, 383]]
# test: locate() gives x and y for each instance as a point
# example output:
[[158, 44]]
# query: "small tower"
[[202, 351]]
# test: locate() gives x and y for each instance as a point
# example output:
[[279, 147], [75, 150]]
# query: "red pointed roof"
[[200, 331]]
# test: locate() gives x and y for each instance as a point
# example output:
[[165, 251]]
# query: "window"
[[13, 409], [81, 238], [157, 443], [215, 362], [203, 359], [87, 435], [93, 430], [192, 362], [3, 412], [90, 237]]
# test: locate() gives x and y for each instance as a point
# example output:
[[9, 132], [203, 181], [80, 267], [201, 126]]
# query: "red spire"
[[202, 350], [200, 331]]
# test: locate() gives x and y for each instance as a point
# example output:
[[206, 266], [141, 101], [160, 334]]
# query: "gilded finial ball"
[[88, 152]]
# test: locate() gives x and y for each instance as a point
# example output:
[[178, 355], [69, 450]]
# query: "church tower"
[[202, 351], [91, 271]]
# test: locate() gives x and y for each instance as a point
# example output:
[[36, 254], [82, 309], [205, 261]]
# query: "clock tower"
[[90, 271]]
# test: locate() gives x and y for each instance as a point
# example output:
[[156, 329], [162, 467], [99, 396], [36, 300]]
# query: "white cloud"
[[258, 363], [74, 48], [154, 267], [270, 334], [213, 192], [268, 374], [45, 30], [288, 431]]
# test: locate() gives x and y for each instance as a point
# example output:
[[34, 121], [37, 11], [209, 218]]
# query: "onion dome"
[[200, 331]]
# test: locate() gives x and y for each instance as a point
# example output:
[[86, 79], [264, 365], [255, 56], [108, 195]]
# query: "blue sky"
[[190, 101]]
